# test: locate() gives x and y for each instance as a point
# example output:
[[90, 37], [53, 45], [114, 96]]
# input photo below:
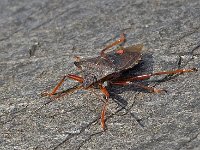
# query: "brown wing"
[[130, 57], [94, 69]]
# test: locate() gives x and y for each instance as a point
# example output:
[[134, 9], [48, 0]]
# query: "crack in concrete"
[[13, 115], [88, 139], [71, 135]]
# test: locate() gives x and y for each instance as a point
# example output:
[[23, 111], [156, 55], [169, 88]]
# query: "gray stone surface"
[[38, 40]]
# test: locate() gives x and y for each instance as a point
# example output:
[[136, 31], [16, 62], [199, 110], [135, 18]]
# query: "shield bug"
[[108, 67]]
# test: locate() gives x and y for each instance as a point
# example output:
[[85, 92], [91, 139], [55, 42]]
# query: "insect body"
[[99, 69], [108, 67]]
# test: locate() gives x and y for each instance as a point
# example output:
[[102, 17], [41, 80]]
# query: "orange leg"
[[147, 76], [129, 80], [103, 112], [75, 77], [122, 39], [71, 76], [67, 92], [151, 89]]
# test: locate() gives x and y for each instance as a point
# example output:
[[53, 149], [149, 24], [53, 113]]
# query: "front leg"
[[103, 112], [55, 89]]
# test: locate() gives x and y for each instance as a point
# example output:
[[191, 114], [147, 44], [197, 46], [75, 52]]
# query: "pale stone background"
[[38, 40]]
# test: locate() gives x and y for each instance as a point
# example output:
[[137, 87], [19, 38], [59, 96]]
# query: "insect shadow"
[[143, 67]]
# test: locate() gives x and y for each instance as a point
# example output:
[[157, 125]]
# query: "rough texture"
[[38, 40]]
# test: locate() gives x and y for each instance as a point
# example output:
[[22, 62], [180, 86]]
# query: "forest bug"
[[108, 67]]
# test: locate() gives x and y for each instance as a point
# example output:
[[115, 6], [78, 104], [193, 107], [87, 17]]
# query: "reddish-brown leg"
[[103, 112], [122, 39], [67, 92], [147, 76], [75, 77], [71, 76], [151, 89], [128, 81]]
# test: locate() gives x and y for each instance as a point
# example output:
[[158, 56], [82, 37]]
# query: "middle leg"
[[103, 112], [148, 88]]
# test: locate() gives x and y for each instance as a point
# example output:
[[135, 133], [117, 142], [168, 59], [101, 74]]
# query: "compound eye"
[[94, 78], [77, 64]]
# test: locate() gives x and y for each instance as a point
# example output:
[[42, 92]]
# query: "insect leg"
[[147, 76], [129, 80], [151, 89], [103, 112], [122, 39], [74, 77], [68, 91]]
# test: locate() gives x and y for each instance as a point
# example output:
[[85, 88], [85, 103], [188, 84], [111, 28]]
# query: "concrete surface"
[[38, 40]]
